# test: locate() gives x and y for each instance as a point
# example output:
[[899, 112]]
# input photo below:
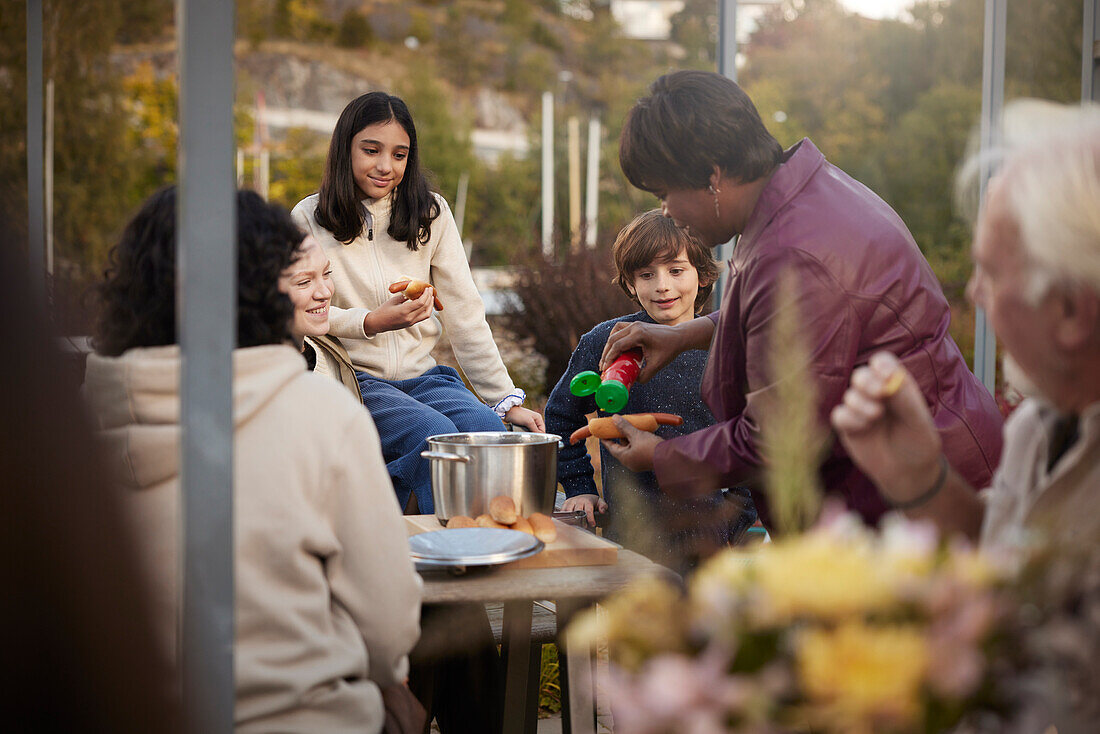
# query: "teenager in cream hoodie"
[[327, 600], [378, 223]]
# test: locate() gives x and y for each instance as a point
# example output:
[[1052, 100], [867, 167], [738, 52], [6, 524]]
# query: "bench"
[[544, 622]]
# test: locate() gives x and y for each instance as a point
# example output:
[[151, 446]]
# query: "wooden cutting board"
[[574, 546]]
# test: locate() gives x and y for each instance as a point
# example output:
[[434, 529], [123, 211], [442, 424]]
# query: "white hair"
[[1050, 158]]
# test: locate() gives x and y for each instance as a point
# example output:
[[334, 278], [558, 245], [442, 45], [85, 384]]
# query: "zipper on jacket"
[[370, 223], [391, 336]]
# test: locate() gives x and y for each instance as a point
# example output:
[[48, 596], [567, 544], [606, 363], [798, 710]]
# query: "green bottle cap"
[[585, 383], [612, 395]]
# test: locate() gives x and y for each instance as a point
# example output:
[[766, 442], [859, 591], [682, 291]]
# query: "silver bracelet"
[[928, 494]]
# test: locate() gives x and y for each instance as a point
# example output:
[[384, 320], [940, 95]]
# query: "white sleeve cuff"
[[512, 399]]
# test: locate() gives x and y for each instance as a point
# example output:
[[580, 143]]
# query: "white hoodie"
[[362, 272], [327, 600]]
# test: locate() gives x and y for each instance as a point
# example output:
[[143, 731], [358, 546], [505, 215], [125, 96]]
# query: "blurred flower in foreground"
[[858, 675], [840, 629]]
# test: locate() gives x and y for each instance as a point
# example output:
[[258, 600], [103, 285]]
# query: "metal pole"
[[460, 200], [592, 185], [574, 129], [207, 267], [727, 67], [460, 210], [36, 243], [1090, 53], [547, 173], [727, 38], [993, 99], [265, 173], [48, 176]]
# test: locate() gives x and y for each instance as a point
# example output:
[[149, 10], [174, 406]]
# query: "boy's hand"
[[517, 415], [635, 449], [590, 503]]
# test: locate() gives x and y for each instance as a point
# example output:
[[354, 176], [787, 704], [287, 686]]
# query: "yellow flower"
[[816, 575], [642, 620], [858, 675]]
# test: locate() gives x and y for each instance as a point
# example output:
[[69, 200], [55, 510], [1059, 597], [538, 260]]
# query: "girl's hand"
[[517, 415], [590, 503], [399, 313]]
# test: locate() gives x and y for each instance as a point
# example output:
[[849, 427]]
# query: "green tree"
[[354, 30], [296, 166], [695, 29], [444, 137]]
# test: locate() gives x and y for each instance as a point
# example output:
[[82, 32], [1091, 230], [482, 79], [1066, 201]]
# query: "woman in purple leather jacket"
[[698, 143]]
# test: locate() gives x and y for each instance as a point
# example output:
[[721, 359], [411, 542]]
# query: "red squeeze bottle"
[[612, 386], [618, 378]]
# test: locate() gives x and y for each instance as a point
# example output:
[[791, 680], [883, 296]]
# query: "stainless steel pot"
[[469, 469]]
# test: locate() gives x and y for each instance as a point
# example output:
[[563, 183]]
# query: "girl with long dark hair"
[[379, 223]]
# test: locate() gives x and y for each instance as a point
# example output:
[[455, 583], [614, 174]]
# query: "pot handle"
[[442, 456]]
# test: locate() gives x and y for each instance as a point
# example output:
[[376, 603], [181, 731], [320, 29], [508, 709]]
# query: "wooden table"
[[572, 588]]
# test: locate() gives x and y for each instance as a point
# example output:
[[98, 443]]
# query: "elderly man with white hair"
[[1037, 276]]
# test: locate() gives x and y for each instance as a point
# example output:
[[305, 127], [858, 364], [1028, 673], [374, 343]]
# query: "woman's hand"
[[590, 503], [399, 313], [517, 415], [660, 344], [887, 429], [635, 449]]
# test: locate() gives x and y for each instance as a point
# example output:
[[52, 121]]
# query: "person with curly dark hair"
[[327, 600], [379, 223], [138, 293]]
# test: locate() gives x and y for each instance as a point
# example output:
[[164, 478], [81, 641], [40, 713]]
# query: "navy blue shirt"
[[634, 499]]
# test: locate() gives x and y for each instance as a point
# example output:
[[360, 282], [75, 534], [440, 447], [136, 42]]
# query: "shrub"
[[557, 300], [354, 30]]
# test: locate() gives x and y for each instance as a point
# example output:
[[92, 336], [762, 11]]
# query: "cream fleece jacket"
[[363, 271], [327, 600]]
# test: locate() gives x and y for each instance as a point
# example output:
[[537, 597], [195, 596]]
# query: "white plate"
[[453, 547]]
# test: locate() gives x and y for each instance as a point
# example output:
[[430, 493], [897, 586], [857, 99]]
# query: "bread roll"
[[523, 525], [503, 510], [893, 383], [412, 289], [415, 289], [484, 521], [544, 527], [462, 521]]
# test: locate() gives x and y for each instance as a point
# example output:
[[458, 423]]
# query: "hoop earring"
[[714, 192]]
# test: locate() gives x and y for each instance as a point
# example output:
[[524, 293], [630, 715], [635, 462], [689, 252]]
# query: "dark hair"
[[653, 237], [690, 122], [339, 209], [138, 293]]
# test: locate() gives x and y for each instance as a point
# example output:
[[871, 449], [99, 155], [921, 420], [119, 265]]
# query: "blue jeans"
[[408, 411]]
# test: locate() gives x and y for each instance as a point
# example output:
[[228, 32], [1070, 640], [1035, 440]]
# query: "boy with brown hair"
[[671, 275]]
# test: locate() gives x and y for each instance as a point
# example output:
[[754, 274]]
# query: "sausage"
[[503, 510], [606, 428], [544, 527], [413, 288], [462, 521]]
